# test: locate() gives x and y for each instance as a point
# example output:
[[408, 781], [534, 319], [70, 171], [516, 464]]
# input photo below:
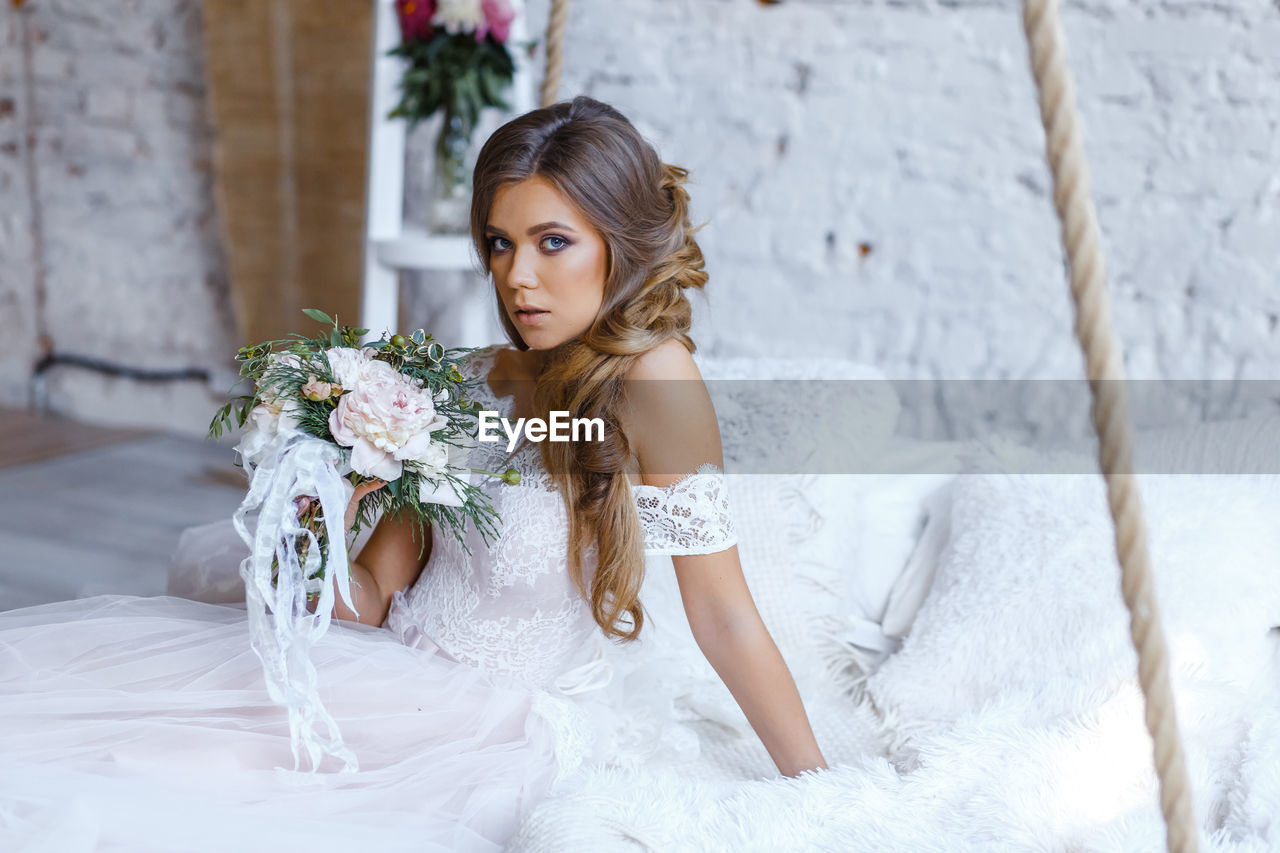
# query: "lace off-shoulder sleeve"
[[690, 516]]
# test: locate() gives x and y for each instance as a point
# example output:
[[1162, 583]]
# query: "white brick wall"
[[121, 235], [810, 128], [18, 333]]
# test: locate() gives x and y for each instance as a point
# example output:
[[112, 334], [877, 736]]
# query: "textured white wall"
[[810, 128], [813, 127], [108, 232]]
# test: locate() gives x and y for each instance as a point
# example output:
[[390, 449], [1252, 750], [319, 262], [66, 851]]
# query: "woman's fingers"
[[371, 486], [368, 486], [361, 490], [304, 503]]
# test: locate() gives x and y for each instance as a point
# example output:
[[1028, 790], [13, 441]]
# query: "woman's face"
[[544, 255]]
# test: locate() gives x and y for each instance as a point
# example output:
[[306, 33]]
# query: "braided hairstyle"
[[597, 159]]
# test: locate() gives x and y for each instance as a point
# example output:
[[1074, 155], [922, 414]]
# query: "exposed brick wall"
[[812, 129], [18, 236], [874, 178], [120, 239]]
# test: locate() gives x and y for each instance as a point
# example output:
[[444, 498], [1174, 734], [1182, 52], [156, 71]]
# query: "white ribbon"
[[283, 467]]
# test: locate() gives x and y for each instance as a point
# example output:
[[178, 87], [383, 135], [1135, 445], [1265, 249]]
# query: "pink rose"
[[415, 18], [385, 418], [317, 391], [498, 16]]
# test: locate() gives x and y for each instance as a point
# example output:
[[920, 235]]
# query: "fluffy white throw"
[[1011, 719]]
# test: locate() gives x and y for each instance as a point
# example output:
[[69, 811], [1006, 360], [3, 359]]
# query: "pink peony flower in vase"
[[498, 16]]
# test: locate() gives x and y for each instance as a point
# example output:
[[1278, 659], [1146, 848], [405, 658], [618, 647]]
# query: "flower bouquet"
[[327, 417], [458, 62]]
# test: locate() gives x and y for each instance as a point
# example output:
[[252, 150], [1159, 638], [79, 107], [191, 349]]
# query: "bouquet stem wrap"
[[283, 467]]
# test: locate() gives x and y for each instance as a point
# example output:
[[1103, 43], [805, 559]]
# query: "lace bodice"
[[511, 608]]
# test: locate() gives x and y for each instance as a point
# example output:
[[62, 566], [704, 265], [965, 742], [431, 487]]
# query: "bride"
[[472, 681]]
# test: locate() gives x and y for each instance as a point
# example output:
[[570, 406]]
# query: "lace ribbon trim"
[[690, 516], [282, 631]]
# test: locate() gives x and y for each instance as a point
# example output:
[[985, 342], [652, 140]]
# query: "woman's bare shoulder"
[[671, 423], [668, 360]]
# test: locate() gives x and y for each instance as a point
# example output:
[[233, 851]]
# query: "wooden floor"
[[86, 510], [26, 437]]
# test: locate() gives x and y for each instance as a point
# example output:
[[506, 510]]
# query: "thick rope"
[[1094, 331], [556, 25]]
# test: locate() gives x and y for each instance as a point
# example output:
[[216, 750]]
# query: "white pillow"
[[870, 541], [1026, 605], [792, 521], [788, 415]]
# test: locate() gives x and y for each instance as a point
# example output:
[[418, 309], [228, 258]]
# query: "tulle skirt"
[[139, 724]]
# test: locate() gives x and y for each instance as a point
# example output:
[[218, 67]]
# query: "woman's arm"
[[388, 562], [729, 631], [671, 424]]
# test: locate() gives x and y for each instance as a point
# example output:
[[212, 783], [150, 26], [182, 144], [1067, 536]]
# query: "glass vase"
[[450, 210]]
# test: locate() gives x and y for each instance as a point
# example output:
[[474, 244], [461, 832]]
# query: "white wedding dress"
[[132, 723]]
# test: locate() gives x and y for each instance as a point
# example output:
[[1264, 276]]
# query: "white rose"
[[433, 461], [459, 15], [443, 457], [347, 364], [268, 393], [274, 416]]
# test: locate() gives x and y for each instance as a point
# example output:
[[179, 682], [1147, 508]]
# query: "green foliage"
[[454, 73], [280, 368]]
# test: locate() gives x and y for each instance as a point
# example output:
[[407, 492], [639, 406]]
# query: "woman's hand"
[[308, 504]]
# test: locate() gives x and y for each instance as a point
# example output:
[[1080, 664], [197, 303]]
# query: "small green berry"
[[511, 477], [397, 340]]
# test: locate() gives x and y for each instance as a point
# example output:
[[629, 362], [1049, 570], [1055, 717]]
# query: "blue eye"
[[498, 244]]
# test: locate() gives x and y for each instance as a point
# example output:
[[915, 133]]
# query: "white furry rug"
[[1011, 718]]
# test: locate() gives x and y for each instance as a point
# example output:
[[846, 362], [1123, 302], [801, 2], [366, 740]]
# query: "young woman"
[[146, 720]]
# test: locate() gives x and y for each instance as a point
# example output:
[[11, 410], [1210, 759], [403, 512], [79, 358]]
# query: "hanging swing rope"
[[1094, 331], [556, 25]]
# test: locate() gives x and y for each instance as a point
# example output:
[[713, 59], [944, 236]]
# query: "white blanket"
[[1011, 718]]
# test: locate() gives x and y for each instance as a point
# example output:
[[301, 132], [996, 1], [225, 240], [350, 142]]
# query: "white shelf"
[[406, 248], [415, 249]]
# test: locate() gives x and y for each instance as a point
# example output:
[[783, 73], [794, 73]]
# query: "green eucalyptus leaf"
[[317, 315]]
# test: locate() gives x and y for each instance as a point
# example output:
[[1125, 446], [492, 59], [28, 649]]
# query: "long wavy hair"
[[597, 159]]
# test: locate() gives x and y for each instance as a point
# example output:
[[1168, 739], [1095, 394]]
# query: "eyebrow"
[[534, 230]]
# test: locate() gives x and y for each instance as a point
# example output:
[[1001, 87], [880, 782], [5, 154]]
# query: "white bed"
[[970, 680]]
